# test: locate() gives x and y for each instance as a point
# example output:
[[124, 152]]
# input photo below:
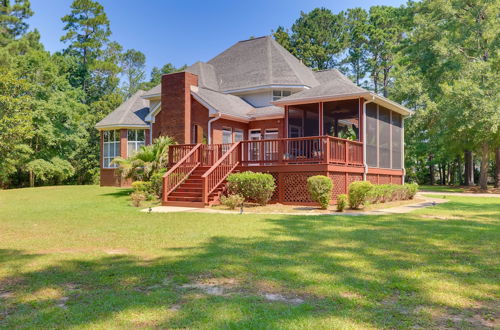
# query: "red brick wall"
[[173, 119], [199, 116], [110, 176]]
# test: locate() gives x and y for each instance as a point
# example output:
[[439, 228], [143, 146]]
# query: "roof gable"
[[132, 113], [259, 62]]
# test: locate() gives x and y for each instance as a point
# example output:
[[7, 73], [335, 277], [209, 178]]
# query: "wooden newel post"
[[327, 151], [165, 188], [346, 152], [204, 190]]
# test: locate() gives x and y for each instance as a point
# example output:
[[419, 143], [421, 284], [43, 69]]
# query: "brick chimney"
[[174, 118]]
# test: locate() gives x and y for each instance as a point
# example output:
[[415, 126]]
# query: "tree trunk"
[[497, 167], [431, 171], [32, 179], [485, 158], [469, 168]]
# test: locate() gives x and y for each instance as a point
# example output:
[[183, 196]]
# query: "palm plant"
[[146, 161]]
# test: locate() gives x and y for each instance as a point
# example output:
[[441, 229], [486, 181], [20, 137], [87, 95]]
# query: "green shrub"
[[359, 191], [137, 198], [141, 186], [253, 186], [341, 202], [411, 190], [232, 201], [157, 183], [320, 189]]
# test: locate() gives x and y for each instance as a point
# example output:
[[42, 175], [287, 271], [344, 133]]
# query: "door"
[[271, 146], [254, 147]]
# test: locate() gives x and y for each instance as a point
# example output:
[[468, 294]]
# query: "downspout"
[[403, 149], [365, 165], [210, 126], [150, 132]]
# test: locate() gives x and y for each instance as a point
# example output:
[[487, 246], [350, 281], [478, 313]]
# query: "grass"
[[441, 188], [81, 257], [282, 208]]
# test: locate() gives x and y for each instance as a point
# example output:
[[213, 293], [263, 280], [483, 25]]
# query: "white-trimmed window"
[[227, 135], [278, 94], [136, 139], [239, 135], [111, 148]]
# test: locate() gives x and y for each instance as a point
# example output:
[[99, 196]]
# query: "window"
[[136, 139], [278, 94], [238, 135], [227, 135], [111, 148]]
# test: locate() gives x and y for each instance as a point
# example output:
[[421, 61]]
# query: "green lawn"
[[81, 257], [446, 189]]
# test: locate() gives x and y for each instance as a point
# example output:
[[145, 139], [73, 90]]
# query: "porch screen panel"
[[371, 135], [384, 137], [396, 126]]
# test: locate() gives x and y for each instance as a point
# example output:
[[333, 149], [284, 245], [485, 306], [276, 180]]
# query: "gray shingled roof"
[[132, 112], [224, 103], [335, 85], [207, 78], [231, 105], [259, 62], [153, 91]]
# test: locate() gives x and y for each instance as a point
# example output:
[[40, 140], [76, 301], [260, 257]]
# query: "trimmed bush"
[[341, 202], [359, 191], [320, 189], [411, 190], [232, 201], [141, 186], [137, 198], [157, 182], [253, 186]]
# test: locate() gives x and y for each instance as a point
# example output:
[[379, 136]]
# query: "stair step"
[[184, 204], [185, 194], [183, 199]]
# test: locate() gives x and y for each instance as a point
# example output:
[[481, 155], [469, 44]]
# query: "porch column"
[[320, 114], [360, 119], [285, 124]]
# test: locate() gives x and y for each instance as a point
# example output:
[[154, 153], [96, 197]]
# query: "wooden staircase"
[[198, 178], [190, 192]]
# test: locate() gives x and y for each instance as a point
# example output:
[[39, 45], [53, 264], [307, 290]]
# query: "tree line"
[[437, 57], [50, 102], [440, 58]]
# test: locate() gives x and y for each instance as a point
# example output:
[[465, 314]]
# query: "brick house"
[[256, 107]]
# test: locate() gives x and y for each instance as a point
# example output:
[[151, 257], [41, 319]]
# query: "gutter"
[[365, 164], [219, 115]]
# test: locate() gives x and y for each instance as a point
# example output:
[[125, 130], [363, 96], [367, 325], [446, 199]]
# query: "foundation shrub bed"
[[363, 192], [341, 202], [320, 189], [252, 186], [232, 201]]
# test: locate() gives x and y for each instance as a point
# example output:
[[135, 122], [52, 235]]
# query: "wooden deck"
[[198, 171]]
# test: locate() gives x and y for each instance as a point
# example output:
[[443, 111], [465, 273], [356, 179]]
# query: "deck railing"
[[181, 170], [303, 150], [219, 171]]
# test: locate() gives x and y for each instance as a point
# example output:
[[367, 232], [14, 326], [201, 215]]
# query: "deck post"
[[347, 152], [327, 151], [320, 120], [204, 191]]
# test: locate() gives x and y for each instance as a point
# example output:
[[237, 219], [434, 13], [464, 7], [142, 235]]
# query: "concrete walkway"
[[428, 201], [459, 194]]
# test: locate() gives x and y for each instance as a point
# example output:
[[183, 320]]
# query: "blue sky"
[[185, 31]]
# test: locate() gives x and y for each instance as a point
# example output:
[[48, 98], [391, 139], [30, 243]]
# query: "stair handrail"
[[211, 181], [193, 156]]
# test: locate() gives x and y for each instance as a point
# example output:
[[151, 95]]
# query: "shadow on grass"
[[375, 271], [120, 193]]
